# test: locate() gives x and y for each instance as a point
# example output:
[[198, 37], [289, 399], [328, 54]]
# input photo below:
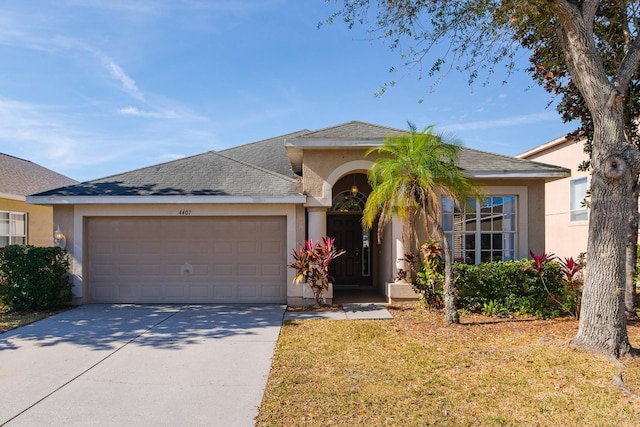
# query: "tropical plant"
[[414, 171], [572, 279], [428, 280], [311, 263], [572, 271]]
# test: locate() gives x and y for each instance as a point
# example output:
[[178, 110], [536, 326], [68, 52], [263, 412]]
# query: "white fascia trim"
[[540, 148], [153, 200], [12, 197], [505, 174]]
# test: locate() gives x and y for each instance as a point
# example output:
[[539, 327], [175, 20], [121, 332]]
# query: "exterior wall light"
[[59, 239]]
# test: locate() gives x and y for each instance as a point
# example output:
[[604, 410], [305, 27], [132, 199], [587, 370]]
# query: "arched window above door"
[[348, 201]]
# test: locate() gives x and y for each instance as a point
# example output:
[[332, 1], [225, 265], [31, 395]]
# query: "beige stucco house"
[[22, 223], [219, 227], [566, 216]]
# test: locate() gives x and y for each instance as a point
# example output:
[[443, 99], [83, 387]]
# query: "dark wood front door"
[[354, 267]]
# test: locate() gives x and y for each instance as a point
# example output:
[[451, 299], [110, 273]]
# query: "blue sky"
[[91, 88]]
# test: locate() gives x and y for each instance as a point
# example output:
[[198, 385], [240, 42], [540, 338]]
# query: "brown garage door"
[[191, 260]]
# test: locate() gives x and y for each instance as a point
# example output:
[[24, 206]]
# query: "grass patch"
[[11, 319], [416, 371]]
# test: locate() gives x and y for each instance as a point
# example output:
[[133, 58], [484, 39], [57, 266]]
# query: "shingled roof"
[[353, 130], [263, 169], [19, 177], [480, 164], [207, 174], [268, 154]]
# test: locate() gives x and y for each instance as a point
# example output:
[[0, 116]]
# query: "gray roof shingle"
[[477, 162], [268, 154], [352, 130], [207, 174], [21, 177]]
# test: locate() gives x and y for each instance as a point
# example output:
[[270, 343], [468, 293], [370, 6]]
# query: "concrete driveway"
[[139, 365]]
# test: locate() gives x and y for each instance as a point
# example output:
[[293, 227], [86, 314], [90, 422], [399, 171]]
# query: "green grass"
[[416, 371]]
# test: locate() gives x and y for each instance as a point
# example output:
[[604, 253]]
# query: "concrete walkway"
[[106, 365]]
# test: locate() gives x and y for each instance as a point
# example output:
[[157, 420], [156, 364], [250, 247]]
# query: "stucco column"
[[397, 248], [317, 222]]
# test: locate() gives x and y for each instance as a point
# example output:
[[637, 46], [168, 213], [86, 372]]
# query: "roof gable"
[[352, 130]]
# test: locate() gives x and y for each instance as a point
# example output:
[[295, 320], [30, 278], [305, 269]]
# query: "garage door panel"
[[128, 291], [247, 291], [200, 260], [199, 291], [247, 270], [202, 270], [223, 270], [271, 271], [179, 292], [223, 248], [223, 292]]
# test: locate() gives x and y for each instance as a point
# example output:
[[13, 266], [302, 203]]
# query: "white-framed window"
[[578, 190], [13, 228], [483, 231]]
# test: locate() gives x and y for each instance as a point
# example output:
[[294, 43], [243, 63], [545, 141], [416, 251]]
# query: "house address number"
[[185, 212]]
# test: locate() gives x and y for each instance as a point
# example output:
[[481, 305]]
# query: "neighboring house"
[[220, 226], [22, 223], [566, 214]]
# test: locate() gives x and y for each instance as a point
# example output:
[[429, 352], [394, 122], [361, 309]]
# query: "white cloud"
[[133, 111], [128, 84], [173, 156]]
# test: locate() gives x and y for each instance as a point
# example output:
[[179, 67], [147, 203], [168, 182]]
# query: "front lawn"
[[416, 371], [11, 319]]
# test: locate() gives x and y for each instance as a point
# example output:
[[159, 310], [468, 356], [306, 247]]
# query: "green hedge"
[[34, 277], [500, 288]]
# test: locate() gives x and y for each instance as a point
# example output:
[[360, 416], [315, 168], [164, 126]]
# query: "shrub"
[[34, 277], [508, 287]]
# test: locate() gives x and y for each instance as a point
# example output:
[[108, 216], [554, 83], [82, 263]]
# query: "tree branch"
[[628, 67]]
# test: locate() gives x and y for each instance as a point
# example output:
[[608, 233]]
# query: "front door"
[[353, 269]]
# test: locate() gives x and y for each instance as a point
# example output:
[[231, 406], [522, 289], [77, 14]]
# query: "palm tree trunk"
[[449, 291]]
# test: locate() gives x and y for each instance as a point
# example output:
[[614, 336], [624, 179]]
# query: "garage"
[[186, 259]]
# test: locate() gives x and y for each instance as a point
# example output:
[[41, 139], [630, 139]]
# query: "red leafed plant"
[[541, 261], [573, 282], [572, 279], [311, 263]]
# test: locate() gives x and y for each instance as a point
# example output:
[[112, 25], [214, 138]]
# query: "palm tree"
[[409, 179]]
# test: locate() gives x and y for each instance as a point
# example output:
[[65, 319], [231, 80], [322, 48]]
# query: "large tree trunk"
[[615, 165], [632, 257], [603, 326]]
